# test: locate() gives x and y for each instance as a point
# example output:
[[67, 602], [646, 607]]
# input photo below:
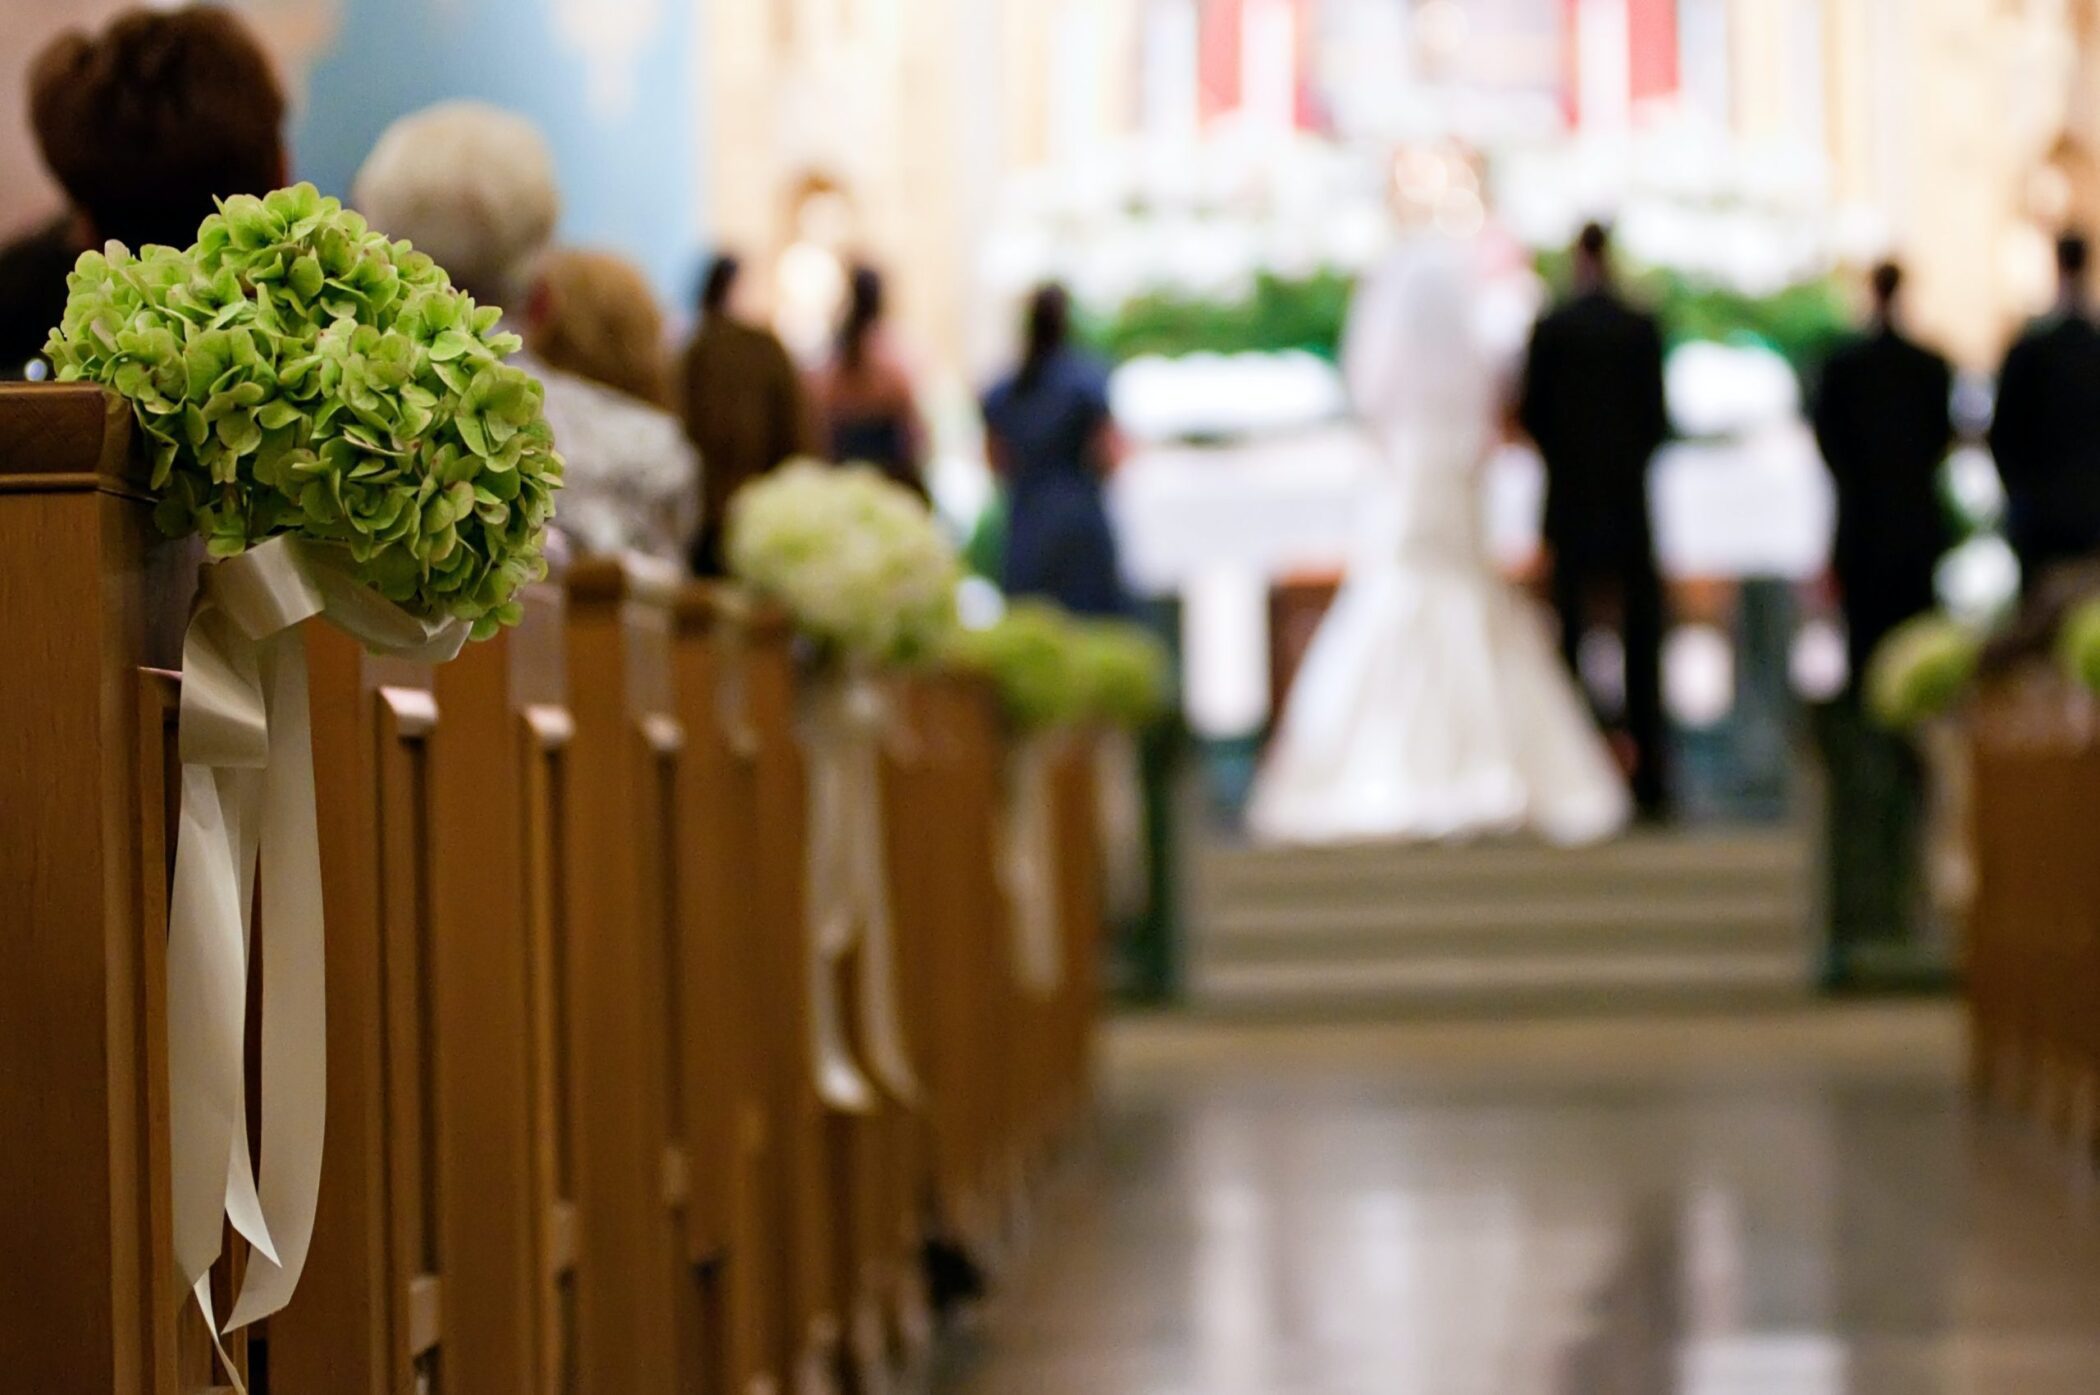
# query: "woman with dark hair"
[[864, 395], [1050, 435]]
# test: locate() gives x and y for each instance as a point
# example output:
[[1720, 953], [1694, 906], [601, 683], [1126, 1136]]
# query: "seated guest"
[[143, 126], [864, 395], [1884, 423], [632, 480], [473, 186], [744, 405], [2045, 431]]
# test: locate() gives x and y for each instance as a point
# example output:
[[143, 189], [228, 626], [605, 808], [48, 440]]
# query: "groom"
[[1593, 402]]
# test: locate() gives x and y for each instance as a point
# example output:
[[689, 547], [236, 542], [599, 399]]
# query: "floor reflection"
[[1799, 1204]]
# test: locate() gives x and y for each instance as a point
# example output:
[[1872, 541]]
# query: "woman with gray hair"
[[473, 185]]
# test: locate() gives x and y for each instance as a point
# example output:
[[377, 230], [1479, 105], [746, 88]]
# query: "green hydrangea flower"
[[2078, 644], [1921, 670], [1123, 671], [1051, 669], [1028, 654], [295, 371]]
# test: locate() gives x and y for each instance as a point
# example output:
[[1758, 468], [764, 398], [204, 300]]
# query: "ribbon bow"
[[248, 796], [1028, 868], [849, 898]]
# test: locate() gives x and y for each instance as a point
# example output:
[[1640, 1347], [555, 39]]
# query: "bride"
[[1432, 703]]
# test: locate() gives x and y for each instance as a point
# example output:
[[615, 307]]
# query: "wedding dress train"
[[1433, 702]]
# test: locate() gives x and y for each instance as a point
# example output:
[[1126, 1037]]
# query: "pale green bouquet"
[[1052, 669], [1921, 670], [1123, 671], [2078, 644], [294, 371], [857, 560]]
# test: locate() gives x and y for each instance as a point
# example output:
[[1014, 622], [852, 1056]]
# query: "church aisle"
[[1799, 1204]]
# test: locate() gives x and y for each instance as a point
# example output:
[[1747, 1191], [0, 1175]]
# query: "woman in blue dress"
[[1051, 438]]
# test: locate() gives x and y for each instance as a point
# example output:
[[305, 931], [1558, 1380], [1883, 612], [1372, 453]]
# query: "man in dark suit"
[[1593, 402], [1884, 423], [2046, 430]]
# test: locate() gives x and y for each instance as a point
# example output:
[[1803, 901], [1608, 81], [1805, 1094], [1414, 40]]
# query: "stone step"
[[1475, 984], [1616, 924], [1706, 863], [1656, 919]]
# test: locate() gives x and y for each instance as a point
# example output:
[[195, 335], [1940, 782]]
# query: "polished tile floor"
[[1798, 1204]]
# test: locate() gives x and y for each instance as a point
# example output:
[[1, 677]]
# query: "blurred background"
[[1607, 1085]]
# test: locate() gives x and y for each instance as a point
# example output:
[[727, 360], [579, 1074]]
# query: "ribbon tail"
[[840, 1082], [881, 1018], [240, 793], [202, 1290], [1026, 862], [294, 996], [207, 996]]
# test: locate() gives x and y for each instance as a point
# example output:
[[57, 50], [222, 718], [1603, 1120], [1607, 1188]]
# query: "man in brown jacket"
[[744, 406]]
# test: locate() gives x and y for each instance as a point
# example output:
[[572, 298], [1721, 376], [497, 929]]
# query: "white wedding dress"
[[1433, 703]]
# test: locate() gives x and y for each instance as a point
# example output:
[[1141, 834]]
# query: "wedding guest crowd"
[[148, 121], [474, 186]]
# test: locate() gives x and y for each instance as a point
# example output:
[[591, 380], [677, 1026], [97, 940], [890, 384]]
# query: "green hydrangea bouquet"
[[1921, 670], [2078, 644], [294, 371], [1052, 669]]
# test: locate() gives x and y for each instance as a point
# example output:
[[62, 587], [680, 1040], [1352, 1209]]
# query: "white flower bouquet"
[[857, 560]]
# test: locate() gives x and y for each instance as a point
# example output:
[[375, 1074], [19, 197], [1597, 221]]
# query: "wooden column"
[[732, 998], [632, 1174], [367, 1317], [506, 1220], [1080, 891], [87, 596], [811, 1333]]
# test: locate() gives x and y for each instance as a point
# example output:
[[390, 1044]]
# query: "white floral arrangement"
[[857, 560]]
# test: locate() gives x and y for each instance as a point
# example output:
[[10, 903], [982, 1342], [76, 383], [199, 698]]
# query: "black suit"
[[2046, 436], [33, 293], [1882, 421], [1593, 401]]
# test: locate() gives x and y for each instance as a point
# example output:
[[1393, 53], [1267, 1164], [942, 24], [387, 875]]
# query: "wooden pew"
[[810, 1332], [507, 1227], [368, 1315], [973, 1003], [637, 1299], [1076, 818], [732, 994], [574, 1141], [88, 597], [2033, 969]]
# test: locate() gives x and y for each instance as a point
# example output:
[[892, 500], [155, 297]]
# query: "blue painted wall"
[[628, 152]]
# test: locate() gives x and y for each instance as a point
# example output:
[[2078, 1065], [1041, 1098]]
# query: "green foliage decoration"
[[294, 371], [1279, 313]]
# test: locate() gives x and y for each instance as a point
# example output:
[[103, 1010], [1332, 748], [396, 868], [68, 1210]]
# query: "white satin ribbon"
[[848, 897], [248, 798], [1028, 867]]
